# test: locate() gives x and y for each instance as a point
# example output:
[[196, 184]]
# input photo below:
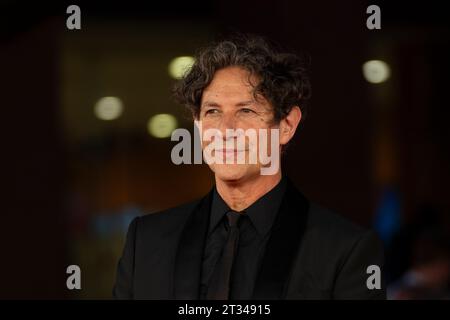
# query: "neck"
[[241, 194]]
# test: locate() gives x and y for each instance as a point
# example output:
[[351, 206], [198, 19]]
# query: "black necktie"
[[219, 287]]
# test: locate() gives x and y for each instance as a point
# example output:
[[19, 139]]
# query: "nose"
[[228, 122]]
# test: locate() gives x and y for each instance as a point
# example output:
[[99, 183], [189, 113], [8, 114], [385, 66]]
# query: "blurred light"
[[108, 108], [162, 125], [376, 71], [179, 66]]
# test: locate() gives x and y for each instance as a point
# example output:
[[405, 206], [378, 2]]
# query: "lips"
[[229, 150]]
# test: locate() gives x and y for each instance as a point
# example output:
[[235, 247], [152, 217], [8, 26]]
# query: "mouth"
[[228, 152]]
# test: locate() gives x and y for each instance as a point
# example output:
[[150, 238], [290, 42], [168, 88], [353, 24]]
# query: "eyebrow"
[[215, 104]]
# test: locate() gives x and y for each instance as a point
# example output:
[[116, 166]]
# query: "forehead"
[[229, 82]]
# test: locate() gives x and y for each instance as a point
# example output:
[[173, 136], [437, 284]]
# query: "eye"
[[211, 111], [247, 110]]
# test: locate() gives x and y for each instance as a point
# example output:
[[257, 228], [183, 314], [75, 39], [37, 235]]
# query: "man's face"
[[228, 103]]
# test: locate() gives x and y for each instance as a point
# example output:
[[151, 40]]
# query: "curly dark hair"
[[282, 77]]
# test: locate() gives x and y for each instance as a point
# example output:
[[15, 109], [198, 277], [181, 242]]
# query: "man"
[[254, 236]]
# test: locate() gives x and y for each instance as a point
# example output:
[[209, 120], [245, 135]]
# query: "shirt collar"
[[261, 213]]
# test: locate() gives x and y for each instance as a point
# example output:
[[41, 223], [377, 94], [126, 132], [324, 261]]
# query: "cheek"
[[208, 133], [273, 139]]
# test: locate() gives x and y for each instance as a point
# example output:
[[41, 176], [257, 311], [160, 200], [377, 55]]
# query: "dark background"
[[376, 153]]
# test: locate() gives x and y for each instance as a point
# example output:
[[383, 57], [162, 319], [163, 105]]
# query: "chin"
[[234, 172]]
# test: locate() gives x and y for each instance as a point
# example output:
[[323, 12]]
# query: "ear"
[[289, 125]]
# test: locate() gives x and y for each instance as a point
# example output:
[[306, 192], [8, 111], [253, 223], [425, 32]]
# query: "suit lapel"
[[188, 261], [282, 247]]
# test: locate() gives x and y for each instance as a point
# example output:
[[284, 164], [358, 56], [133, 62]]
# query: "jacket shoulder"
[[334, 235], [335, 255], [166, 219], [332, 224], [337, 237]]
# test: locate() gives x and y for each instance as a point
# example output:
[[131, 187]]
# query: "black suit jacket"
[[312, 253]]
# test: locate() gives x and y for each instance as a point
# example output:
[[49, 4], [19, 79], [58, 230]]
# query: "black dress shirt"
[[254, 232]]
